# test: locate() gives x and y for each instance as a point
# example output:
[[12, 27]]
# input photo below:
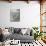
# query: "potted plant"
[[37, 33]]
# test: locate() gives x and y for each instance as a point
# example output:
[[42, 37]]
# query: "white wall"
[[29, 14]]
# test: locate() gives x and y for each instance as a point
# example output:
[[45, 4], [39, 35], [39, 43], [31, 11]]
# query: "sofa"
[[17, 34]]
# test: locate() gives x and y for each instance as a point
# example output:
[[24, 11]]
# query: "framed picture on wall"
[[14, 15]]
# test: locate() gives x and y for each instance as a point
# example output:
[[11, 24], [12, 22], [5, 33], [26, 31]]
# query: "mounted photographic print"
[[15, 15]]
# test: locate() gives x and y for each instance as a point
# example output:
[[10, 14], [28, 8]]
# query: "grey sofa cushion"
[[22, 38]]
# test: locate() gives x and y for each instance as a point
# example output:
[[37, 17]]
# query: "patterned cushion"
[[17, 30], [11, 29]]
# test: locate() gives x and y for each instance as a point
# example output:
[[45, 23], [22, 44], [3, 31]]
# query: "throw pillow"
[[17, 30], [23, 31]]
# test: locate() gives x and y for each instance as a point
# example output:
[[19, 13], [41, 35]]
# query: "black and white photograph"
[[14, 15]]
